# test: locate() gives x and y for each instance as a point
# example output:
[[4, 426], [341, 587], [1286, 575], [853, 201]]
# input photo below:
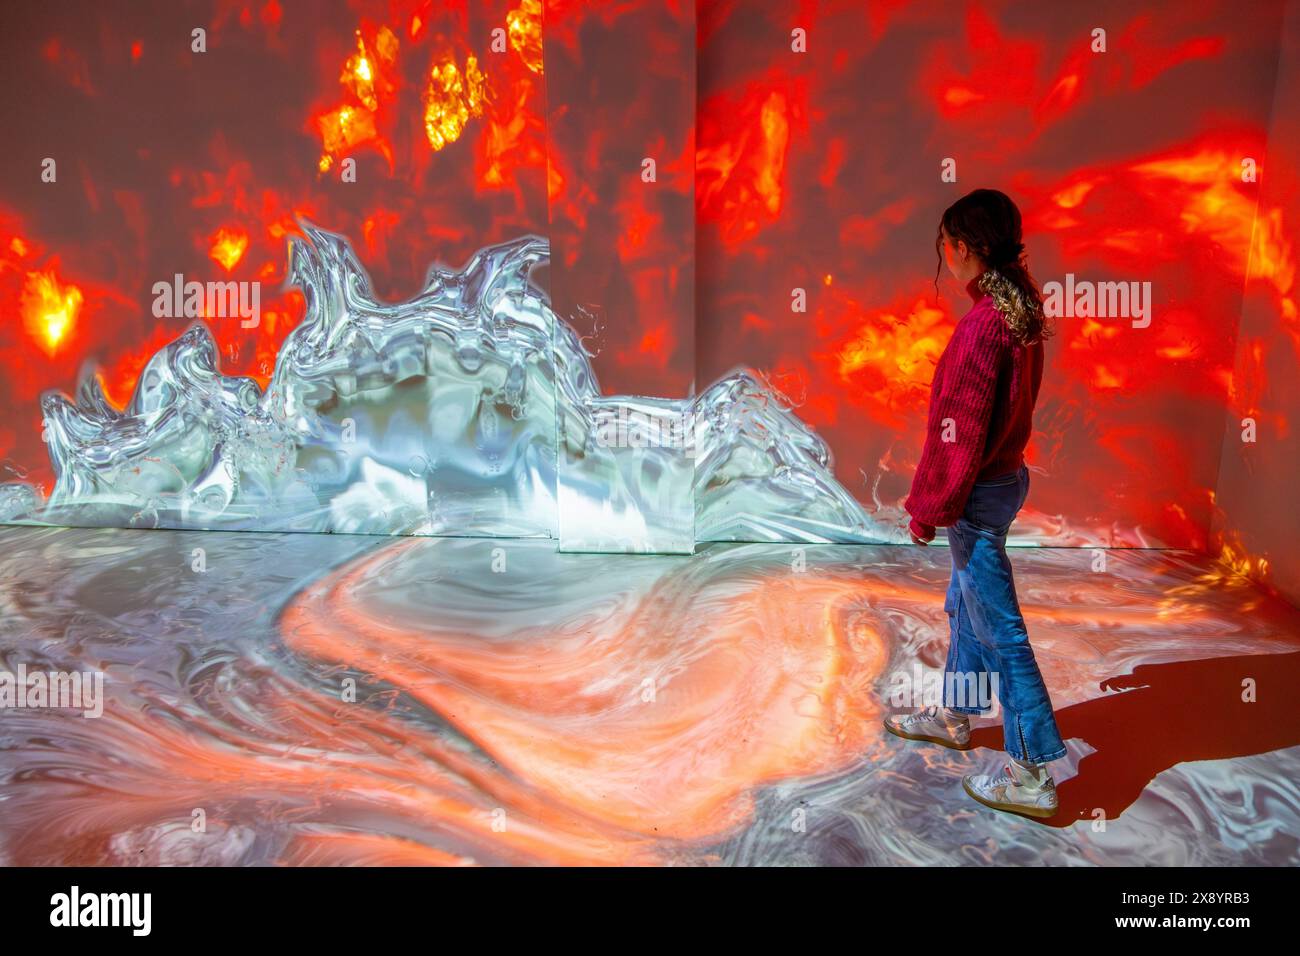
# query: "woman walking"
[[972, 480]]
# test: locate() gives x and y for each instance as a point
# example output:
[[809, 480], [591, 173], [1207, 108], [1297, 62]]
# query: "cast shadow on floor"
[[1167, 714]]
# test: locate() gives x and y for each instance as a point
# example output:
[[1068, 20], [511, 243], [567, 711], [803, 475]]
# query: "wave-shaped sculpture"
[[470, 409]]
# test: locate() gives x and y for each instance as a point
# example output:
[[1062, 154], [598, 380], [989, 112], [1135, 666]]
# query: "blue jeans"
[[988, 639]]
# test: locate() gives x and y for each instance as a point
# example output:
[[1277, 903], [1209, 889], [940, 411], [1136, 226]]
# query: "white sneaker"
[[1015, 789], [932, 725]]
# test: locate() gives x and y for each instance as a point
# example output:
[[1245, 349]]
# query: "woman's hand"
[[922, 534]]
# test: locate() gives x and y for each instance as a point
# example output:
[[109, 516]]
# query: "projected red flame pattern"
[[821, 171], [816, 170], [1253, 533], [168, 160]]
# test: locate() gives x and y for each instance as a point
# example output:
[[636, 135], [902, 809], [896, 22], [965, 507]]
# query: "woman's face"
[[962, 263]]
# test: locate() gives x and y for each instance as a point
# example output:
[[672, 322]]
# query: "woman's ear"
[[963, 250]]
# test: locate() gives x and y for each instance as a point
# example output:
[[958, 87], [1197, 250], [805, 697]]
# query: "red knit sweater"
[[986, 384]]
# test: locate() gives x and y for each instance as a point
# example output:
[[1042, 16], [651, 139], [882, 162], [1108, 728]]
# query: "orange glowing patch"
[[959, 96], [342, 129], [889, 360], [776, 137], [49, 309], [1104, 378], [524, 24], [796, 702], [451, 99], [1205, 186], [228, 247], [1072, 196], [1235, 556], [368, 76], [1090, 330], [740, 169], [1065, 91], [363, 71], [1272, 258]]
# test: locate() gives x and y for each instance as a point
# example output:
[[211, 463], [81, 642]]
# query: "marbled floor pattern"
[[330, 699]]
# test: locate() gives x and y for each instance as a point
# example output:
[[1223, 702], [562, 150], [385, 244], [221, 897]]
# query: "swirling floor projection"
[[331, 699]]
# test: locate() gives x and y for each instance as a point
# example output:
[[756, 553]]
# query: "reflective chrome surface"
[[513, 704]]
